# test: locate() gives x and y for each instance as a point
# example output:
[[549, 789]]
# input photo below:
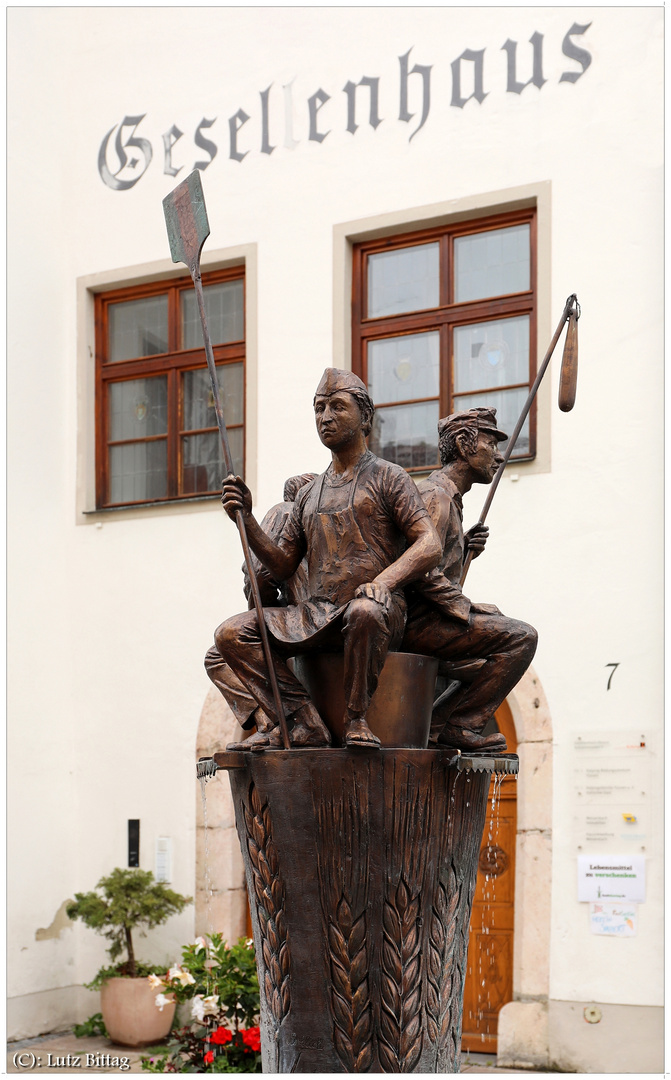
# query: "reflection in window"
[[403, 280], [491, 263]]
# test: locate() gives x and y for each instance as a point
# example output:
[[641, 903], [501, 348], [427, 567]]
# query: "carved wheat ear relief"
[[400, 1034], [440, 957], [343, 868], [269, 891]]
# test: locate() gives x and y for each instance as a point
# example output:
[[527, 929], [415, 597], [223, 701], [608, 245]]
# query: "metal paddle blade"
[[186, 220]]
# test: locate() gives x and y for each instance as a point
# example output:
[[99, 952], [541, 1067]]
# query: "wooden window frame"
[[448, 314], [172, 364]]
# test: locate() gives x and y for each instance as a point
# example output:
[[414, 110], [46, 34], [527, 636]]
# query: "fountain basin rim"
[[506, 764]]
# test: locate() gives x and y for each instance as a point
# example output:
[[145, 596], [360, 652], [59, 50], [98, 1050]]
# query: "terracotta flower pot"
[[130, 1012]]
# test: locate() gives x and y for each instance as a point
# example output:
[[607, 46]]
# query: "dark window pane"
[[401, 368], [138, 328], [403, 280], [491, 354], [199, 401], [508, 405], [224, 307], [407, 434], [138, 471], [492, 263], [203, 466]]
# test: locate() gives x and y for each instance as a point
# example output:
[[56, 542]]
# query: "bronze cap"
[[334, 379], [484, 419]]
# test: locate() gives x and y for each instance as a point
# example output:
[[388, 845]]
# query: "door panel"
[[489, 970]]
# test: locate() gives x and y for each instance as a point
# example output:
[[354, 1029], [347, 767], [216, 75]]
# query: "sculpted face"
[[338, 419], [485, 459]]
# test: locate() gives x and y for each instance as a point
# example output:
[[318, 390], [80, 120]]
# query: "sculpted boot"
[[464, 738], [309, 729], [266, 737]]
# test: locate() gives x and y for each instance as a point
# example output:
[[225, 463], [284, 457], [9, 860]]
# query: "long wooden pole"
[[186, 219], [570, 361]]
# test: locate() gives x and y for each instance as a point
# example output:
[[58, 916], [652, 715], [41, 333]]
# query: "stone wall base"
[[29, 1015], [583, 1037], [523, 1035]]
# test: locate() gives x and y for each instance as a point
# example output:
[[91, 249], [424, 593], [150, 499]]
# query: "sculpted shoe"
[[309, 729], [260, 740], [358, 734], [465, 739]]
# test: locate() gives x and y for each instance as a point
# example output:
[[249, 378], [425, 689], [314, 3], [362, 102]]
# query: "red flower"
[[252, 1038], [209, 1057], [221, 1036]]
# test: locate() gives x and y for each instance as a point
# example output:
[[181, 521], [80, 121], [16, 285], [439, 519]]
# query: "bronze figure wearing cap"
[[366, 534], [486, 651]]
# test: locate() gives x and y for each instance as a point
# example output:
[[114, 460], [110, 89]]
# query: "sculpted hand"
[[476, 538], [375, 590], [485, 609], [236, 496]]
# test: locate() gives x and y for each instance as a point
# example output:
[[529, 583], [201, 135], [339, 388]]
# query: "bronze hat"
[[484, 419], [334, 379]]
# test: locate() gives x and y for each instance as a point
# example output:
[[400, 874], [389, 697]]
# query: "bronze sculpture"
[[366, 534], [442, 621], [361, 866], [273, 593]]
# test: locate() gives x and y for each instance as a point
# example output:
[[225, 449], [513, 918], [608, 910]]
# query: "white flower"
[[199, 943], [161, 1000], [250, 943], [201, 1007], [186, 978], [174, 973], [155, 982]]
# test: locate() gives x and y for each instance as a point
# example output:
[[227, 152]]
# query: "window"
[[445, 320], [156, 428]]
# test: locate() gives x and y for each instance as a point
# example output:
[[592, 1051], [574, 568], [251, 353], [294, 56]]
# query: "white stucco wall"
[[110, 614]]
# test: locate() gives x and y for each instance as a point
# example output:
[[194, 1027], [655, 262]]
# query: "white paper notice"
[[615, 920], [611, 877]]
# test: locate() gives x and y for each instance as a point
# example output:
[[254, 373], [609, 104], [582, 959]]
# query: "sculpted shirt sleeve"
[[292, 536], [438, 586], [269, 587]]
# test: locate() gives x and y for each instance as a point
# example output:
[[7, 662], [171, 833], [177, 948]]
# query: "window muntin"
[[157, 436], [466, 341]]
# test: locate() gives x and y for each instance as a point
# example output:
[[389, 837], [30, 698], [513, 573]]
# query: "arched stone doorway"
[[523, 1022], [221, 902]]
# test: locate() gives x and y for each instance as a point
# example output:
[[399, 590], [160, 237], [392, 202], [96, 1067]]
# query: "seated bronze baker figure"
[[365, 532], [485, 651]]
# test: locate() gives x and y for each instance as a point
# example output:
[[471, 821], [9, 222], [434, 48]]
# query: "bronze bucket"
[[400, 710]]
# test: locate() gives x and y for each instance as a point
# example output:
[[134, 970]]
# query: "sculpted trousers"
[[240, 701], [365, 630], [507, 645]]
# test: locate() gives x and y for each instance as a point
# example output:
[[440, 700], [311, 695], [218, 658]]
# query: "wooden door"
[[489, 968]]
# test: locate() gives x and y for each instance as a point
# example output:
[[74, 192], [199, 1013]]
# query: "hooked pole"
[[567, 388], [188, 229]]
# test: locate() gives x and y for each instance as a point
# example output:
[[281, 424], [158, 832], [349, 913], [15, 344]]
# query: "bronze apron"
[[339, 560]]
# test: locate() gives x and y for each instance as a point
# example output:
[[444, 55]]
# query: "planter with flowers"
[[221, 985], [120, 903]]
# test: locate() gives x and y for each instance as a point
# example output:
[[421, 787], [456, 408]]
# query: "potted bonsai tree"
[[120, 903]]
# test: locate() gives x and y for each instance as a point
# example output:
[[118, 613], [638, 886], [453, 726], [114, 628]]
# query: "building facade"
[[412, 193]]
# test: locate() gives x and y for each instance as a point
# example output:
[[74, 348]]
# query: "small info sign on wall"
[[611, 878], [613, 920]]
